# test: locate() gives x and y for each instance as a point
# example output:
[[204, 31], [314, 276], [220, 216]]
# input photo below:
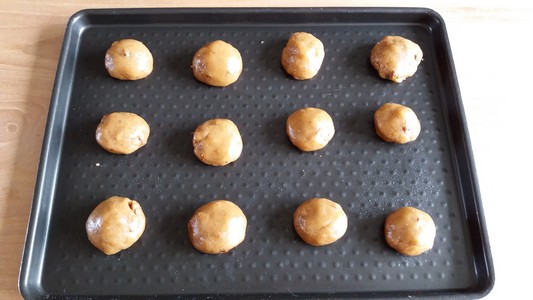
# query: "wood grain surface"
[[490, 44]]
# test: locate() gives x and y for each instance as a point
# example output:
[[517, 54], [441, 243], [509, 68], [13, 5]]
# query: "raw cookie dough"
[[302, 56], [396, 123], [217, 63], [217, 142], [217, 227], [320, 221], [115, 224], [396, 58], [129, 59], [122, 132], [410, 231], [310, 129]]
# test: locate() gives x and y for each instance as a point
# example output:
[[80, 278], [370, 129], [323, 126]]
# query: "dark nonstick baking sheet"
[[368, 177]]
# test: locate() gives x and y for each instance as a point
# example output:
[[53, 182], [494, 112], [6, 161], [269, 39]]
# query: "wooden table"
[[494, 68]]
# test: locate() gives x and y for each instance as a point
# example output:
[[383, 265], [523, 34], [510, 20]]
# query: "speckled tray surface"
[[368, 177]]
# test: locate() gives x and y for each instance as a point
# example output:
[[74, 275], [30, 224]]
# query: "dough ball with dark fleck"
[[129, 59], [217, 64], [310, 129], [410, 231], [396, 58], [217, 227], [396, 123], [302, 56], [217, 142], [320, 221], [122, 132], [115, 224]]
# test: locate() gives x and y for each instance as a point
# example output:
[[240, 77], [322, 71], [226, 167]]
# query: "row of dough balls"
[[220, 64], [219, 226], [217, 142]]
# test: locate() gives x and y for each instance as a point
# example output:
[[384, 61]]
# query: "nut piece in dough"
[[217, 64], [396, 58], [320, 221], [129, 59], [122, 132], [310, 129], [217, 227], [217, 142], [115, 224], [410, 231], [302, 56], [396, 123]]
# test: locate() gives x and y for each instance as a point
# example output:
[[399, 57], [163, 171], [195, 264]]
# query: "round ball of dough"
[[302, 56], [217, 227], [115, 224], [396, 58], [320, 221], [217, 142], [310, 129], [396, 123], [410, 231], [217, 64], [129, 59], [122, 132]]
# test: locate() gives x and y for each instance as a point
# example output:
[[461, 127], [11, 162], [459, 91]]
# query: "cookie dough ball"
[[129, 59], [396, 123], [217, 227], [396, 58], [410, 231], [217, 142], [122, 132], [302, 56], [115, 224], [217, 63], [310, 129], [320, 221]]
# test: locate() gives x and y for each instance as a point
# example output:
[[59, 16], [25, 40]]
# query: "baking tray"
[[368, 177]]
